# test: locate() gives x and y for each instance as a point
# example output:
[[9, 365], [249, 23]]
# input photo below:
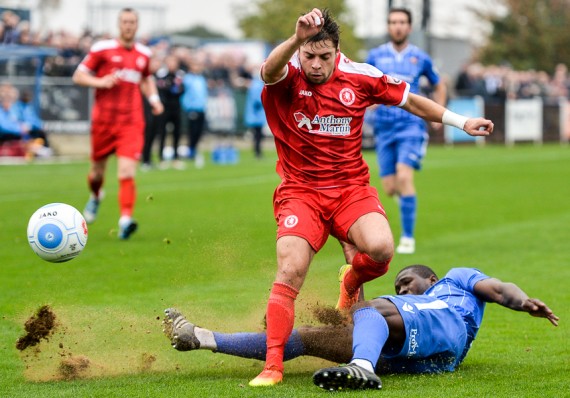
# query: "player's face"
[[318, 60], [399, 27], [408, 282], [128, 25]]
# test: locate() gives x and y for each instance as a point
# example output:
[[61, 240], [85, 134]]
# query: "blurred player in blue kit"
[[427, 327], [401, 137]]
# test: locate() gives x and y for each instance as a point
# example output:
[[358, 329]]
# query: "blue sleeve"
[[429, 71], [466, 278]]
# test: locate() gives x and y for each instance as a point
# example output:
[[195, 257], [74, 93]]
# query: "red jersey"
[[130, 64], [318, 127]]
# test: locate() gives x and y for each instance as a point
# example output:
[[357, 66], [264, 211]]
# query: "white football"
[[57, 232]]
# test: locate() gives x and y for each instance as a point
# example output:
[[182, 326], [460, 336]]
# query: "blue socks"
[[408, 205], [370, 334], [253, 345]]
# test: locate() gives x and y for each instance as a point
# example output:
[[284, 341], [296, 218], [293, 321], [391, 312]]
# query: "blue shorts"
[[393, 148], [435, 337]]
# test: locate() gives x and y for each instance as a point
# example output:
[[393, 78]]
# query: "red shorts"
[[313, 214], [121, 134]]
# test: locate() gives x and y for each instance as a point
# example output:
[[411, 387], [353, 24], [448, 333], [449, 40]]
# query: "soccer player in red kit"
[[315, 99], [119, 70]]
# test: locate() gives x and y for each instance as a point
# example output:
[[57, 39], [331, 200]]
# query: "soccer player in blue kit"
[[401, 138], [428, 327]]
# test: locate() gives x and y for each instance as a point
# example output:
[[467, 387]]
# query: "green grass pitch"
[[206, 246]]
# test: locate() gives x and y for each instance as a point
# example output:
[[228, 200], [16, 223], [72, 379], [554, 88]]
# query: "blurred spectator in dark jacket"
[[170, 88], [254, 113]]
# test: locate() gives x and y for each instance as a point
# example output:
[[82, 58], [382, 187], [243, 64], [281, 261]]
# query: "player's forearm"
[[148, 88], [425, 108], [511, 296], [440, 93], [274, 66], [82, 78]]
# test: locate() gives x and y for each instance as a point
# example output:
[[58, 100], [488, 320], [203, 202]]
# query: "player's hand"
[[537, 308], [309, 24], [478, 126], [108, 81], [157, 107]]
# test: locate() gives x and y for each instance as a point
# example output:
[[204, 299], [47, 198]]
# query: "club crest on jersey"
[[347, 96], [290, 221], [141, 62]]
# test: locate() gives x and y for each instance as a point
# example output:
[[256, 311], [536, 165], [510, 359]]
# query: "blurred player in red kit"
[[315, 99], [118, 69]]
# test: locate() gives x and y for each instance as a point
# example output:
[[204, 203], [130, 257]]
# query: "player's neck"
[[126, 43], [399, 47]]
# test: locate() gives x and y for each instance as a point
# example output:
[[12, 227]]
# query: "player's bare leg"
[[95, 179]]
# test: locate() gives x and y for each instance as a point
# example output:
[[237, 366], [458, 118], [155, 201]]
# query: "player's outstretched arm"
[[433, 112], [509, 295], [306, 27]]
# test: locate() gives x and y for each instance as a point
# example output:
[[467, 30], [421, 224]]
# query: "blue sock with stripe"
[[369, 335], [408, 206], [253, 345]]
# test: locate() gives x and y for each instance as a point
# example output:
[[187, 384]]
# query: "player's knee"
[[382, 251], [389, 189]]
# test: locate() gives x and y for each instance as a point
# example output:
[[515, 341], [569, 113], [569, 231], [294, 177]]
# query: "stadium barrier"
[[524, 119]]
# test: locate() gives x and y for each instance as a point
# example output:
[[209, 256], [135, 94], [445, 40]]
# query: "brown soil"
[[73, 367], [147, 361], [39, 326], [330, 316]]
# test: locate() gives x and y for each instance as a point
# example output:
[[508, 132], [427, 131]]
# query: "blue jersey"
[[456, 289], [409, 65], [440, 325]]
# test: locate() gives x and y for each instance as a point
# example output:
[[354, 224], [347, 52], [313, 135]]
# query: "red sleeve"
[[92, 61], [389, 90]]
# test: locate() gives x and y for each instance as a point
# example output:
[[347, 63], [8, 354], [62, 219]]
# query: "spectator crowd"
[[496, 83], [228, 77]]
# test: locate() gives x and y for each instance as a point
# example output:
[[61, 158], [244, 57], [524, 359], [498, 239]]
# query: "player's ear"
[[433, 280]]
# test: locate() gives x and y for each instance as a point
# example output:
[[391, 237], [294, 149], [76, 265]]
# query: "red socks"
[[127, 196], [363, 269], [280, 318]]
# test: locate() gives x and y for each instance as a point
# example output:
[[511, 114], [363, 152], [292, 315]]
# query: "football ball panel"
[[57, 232]]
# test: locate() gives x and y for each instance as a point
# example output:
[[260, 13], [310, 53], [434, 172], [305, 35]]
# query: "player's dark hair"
[[330, 30], [404, 10], [421, 270]]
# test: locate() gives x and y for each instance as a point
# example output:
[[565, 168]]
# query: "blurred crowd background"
[[229, 73]]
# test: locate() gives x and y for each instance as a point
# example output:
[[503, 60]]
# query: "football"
[[57, 232]]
